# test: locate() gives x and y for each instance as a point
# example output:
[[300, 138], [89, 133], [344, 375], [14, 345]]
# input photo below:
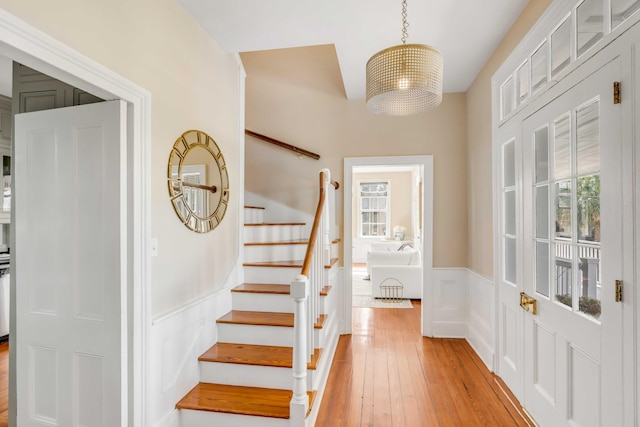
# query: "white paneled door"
[[70, 264], [572, 256]]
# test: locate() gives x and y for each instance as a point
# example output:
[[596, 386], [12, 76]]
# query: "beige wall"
[[479, 144], [400, 193], [193, 85], [335, 128]]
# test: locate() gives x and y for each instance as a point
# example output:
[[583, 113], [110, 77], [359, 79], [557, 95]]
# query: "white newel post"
[[300, 401]]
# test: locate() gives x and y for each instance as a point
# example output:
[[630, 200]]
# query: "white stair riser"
[[189, 418], [272, 233], [274, 252], [253, 216], [276, 303], [282, 275], [252, 375], [255, 334], [261, 335]]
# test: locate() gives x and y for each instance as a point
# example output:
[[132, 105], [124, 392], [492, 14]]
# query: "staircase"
[[246, 378]]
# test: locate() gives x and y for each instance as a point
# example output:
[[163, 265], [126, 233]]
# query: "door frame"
[[426, 162], [30, 46]]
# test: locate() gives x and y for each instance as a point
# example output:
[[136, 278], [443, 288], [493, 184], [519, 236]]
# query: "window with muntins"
[[374, 208]]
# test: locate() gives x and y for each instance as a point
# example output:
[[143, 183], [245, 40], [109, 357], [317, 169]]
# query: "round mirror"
[[198, 181]]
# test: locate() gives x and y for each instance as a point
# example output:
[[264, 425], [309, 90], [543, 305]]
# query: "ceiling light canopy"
[[404, 79]]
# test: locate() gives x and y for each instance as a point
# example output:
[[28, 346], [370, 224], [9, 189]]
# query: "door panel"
[[572, 256], [70, 274]]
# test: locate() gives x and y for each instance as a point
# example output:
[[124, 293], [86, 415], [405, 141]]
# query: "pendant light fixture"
[[404, 79]]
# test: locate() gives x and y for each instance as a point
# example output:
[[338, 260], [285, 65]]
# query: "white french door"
[[70, 266], [573, 255]]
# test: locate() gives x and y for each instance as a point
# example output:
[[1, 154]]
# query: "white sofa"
[[392, 268], [408, 256]]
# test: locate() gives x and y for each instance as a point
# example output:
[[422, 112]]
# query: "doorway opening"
[[388, 214], [24, 44]]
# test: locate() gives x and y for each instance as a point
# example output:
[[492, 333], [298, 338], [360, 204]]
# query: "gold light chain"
[[405, 24]]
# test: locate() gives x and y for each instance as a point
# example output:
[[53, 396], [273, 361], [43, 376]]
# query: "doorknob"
[[528, 303]]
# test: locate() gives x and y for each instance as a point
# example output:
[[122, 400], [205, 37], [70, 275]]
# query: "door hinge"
[[616, 92], [618, 290]]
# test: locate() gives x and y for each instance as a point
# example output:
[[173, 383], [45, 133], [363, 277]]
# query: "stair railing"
[[305, 291]]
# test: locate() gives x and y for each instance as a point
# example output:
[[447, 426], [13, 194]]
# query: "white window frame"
[[387, 210]]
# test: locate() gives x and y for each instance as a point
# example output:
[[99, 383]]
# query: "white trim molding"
[[32, 47]]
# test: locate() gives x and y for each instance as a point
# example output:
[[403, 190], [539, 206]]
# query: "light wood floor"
[[386, 374]]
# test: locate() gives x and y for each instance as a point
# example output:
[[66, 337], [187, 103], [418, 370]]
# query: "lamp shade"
[[404, 80]]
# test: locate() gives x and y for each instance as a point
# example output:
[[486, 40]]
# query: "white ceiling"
[[465, 31]]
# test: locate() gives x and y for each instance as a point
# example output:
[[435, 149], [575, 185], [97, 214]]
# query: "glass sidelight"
[[509, 212]]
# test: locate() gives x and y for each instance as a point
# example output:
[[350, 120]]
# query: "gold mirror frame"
[[199, 189]]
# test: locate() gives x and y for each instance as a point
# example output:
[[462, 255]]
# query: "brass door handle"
[[528, 303]]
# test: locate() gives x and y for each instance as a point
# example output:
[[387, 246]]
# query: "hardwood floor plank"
[[387, 374]]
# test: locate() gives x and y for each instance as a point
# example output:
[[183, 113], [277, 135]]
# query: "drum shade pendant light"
[[404, 79]]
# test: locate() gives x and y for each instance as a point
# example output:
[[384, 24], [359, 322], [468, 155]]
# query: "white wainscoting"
[[463, 307], [481, 317], [449, 302], [177, 340]]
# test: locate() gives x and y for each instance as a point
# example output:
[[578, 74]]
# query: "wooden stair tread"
[[264, 318], [263, 288], [259, 355], [325, 291], [285, 264], [261, 402], [253, 207], [281, 243], [271, 224]]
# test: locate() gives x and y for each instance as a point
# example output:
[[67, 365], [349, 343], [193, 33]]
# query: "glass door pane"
[[621, 10], [561, 47], [589, 16]]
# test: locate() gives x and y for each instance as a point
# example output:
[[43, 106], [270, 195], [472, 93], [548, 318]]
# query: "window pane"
[[542, 212], [539, 68], [510, 213], [590, 24], [561, 47], [507, 97], [589, 293], [541, 141], [522, 83], [365, 203], [588, 138], [589, 208], [563, 209], [621, 10], [509, 171], [510, 259], [562, 274], [562, 147], [542, 268]]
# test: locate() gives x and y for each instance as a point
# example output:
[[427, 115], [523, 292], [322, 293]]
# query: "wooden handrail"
[[273, 141], [211, 188], [314, 229], [335, 184]]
